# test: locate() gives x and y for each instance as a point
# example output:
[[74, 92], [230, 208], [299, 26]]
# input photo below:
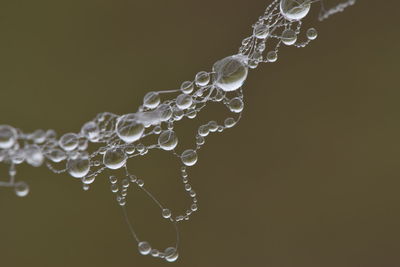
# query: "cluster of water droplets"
[[118, 138]]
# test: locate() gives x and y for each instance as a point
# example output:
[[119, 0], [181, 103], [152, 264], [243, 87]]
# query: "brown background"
[[310, 177]]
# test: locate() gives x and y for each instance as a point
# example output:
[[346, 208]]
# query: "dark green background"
[[310, 177]]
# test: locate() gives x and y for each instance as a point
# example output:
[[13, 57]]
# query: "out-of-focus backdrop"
[[310, 177]]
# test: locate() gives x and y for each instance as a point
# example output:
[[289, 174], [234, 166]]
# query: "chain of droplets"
[[118, 138]]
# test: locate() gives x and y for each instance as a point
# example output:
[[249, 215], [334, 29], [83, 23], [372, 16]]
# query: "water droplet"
[[129, 129], [229, 122], [34, 155], [203, 130], [261, 31], [21, 189], [113, 179], [144, 248], [79, 166], [295, 9], [88, 179], [8, 136], [312, 34], [69, 141], [272, 56], [114, 158], [184, 101], [56, 155], [231, 73], [167, 140], [202, 78], [189, 157], [187, 87], [166, 213], [236, 105], [91, 131], [289, 37], [151, 100], [171, 254]]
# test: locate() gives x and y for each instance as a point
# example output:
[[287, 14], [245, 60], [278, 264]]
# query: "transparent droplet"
[[231, 73], [272, 56], [289, 37], [21, 189], [151, 100], [56, 155], [203, 130], [113, 179], [39, 136], [171, 254], [90, 130], [79, 166], [167, 140], [200, 140], [184, 101], [88, 179], [69, 141], [236, 105], [202, 78], [187, 87], [133, 178], [164, 112], [155, 253], [191, 113], [166, 213], [312, 34], [295, 9], [130, 149], [125, 183], [8, 136], [189, 157], [144, 248], [34, 155], [129, 129], [114, 188], [229, 122], [114, 158], [261, 31], [194, 207], [178, 114]]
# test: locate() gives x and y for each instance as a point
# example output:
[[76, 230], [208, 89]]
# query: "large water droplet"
[[78, 166], [167, 140], [189, 157], [289, 37], [171, 254], [151, 100], [129, 129], [231, 73], [184, 101], [114, 158], [69, 141], [295, 9]]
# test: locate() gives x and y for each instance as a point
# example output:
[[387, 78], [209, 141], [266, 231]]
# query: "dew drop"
[[167, 140], [8, 136], [151, 100], [295, 10], [189, 157], [144, 248], [231, 73], [129, 129], [114, 158], [289, 37]]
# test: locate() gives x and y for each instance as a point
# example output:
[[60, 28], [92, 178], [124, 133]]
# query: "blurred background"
[[310, 177]]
